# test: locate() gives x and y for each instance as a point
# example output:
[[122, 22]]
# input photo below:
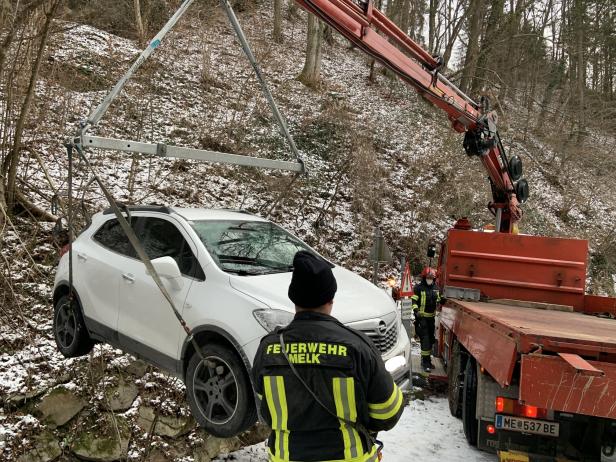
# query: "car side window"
[[161, 238], [112, 236]]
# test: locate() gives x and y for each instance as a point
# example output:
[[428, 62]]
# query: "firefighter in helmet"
[[426, 298]]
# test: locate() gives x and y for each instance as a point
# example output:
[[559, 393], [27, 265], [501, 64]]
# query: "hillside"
[[376, 153]]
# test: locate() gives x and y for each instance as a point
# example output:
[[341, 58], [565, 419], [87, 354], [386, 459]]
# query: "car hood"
[[356, 299]]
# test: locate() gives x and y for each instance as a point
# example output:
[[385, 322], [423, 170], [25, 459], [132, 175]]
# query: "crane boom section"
[[371, 31]]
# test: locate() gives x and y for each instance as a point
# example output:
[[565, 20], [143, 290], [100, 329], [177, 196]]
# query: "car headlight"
[[270, 319]]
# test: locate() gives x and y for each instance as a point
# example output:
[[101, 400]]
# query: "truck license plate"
[[517, 424]]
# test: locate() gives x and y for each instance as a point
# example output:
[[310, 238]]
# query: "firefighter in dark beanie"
[[323, 387]]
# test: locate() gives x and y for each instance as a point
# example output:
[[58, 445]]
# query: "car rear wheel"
[[69, 330], [219, 392], [469, 403]]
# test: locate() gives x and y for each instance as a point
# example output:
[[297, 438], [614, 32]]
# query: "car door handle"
[[82, 256], [128, 277]]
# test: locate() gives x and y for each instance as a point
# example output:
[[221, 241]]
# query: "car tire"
[[454, 380], [469, 403], [69, 329], [220, 394]]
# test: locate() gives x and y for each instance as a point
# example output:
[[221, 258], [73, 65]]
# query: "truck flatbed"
[[553, 330]]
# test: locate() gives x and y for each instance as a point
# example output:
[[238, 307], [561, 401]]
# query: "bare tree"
[[11, 162], [139, 22], [277, 32], [311, 73], [477, 12]]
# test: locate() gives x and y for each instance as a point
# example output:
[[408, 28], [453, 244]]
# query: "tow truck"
[[530, 357]]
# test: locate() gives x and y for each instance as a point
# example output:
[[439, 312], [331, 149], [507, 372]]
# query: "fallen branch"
[[33, 209]]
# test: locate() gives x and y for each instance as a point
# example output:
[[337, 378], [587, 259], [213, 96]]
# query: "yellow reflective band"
[[276, 398], [344, 398], [415, 297], [372, 456], [389, 408], [426, 352], [422, 307]]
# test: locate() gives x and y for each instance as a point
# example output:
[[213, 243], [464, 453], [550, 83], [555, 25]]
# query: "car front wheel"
[[69, 330], [219, 392]]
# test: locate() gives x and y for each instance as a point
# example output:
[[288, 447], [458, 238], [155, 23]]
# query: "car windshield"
[[249, 247]]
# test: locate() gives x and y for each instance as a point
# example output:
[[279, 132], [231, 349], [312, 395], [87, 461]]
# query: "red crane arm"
[[371, 31]]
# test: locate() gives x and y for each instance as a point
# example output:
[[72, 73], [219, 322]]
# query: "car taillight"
[[64, 249], [513, 407], [490, 429]]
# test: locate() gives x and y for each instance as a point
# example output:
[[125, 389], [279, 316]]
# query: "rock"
[[46, 449], [254, 435], [172, 427], [121, 397], [137, 368], [213, 447], [101, 444], [19, 399], [158, 456], [59, 406]]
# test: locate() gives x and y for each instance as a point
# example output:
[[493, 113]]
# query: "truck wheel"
[[454, 380], [219, 392], [69, 330], [469, 403]]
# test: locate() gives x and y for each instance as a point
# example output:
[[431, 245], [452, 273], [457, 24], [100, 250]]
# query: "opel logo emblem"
[[382, 327]]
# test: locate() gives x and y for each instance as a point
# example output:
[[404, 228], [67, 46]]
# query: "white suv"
[[228, 273]]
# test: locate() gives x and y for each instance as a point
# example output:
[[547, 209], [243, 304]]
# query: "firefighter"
[[426, 298], [323, 386]]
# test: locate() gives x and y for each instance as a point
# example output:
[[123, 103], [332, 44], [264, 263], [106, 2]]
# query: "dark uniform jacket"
[[425, 299], [345, 371]]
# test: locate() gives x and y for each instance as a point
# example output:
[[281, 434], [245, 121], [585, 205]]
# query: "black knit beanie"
[[313, 284]]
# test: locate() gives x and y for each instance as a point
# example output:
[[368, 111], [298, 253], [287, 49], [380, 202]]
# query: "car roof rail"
[[246, 212], [142, 208]]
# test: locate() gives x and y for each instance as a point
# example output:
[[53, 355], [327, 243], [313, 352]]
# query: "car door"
[[99, 263], [146, 322]]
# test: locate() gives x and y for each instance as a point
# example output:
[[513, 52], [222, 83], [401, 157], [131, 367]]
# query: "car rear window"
[[112, 236]]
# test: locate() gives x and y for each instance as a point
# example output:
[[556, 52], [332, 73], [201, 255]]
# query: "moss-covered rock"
[[46, 449], [106, 442], [170, 426], [59, 406]]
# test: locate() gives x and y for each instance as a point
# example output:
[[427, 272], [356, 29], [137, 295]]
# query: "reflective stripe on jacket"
[[345, 370], [425, 299]]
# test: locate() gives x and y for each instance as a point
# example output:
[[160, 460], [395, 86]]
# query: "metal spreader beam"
[[164, 150], [177, 152]]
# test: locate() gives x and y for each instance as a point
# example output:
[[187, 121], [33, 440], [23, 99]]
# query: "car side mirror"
[[167, 268]]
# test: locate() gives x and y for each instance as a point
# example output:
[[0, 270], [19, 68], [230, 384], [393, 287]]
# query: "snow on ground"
[[426, 432]]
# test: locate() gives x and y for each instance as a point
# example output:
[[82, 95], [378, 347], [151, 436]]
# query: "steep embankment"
[[376, 154]]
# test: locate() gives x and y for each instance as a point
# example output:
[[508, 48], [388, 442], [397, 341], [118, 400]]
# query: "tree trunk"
[[581, 65], [311, 73], [277, 32], [139, 22], [486, 58], [9, 168], [472, 50], [432, 25]]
